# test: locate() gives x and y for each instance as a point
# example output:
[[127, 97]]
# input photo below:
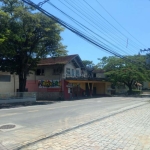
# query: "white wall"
[[146, 85], [100, 75], [9, 87], [48, 74], [71, 66]]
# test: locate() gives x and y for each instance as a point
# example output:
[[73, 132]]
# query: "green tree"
[[102, 62], [26, 36], [90, 66], [88, 63], [126, 72]]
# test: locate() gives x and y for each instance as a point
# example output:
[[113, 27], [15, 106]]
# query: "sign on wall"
[[49, 83], [69, 85]]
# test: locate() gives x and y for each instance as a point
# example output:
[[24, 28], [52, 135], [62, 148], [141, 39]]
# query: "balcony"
[[83, 77]]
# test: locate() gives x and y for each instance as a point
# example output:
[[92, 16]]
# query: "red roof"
[[56, 60]]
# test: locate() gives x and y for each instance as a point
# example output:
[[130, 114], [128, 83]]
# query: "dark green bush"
[[135, 92]]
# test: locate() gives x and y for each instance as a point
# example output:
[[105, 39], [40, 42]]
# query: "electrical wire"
[[87, 28], [77, 32], [103, 18], [119, 23], [97, 29], [98, 26]]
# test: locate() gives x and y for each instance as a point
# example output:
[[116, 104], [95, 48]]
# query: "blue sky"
[[133, 15]]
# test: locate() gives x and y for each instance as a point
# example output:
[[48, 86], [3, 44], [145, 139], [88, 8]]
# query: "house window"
[[68, 71], [72, 72], [40, 72], [56, 71], [5, 78], [77, 73]]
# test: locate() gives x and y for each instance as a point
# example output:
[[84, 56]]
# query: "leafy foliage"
[[88, 63], [102, 63], [90, 66], [127, 72], [26, 36]]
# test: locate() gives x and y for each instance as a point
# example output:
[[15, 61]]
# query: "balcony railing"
[[83, 77]]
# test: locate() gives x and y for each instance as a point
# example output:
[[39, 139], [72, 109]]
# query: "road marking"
[[33, 111], [57, 107], [64, 106], [9, 114]]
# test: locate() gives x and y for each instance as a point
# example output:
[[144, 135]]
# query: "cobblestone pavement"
[[129, 130], [16, 138]]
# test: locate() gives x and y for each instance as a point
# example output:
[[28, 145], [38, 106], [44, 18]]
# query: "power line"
[[97, 27], [104, 18], [83, 26], [77, 32], [40, 4], [97, 13], [88, 14], [119, 23]]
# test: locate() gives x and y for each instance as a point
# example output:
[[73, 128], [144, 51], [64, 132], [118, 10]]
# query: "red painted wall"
[[32, 86], [66, 94]]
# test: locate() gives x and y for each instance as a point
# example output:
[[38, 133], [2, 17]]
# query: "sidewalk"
[[2, 147], [129, 130], [24, 104]]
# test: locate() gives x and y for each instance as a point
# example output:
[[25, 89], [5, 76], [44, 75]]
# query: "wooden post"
[[92, 87]]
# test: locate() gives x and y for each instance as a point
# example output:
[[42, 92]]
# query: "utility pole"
[[147, 56], [145, 50]]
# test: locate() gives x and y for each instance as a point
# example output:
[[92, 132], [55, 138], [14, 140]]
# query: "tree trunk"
[[22, 83], [130, 89]]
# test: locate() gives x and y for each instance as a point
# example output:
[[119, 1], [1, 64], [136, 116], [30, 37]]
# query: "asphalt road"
[[59, 112], [32, 122]]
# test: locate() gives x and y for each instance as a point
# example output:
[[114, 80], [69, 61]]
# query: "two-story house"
[[66, 78]]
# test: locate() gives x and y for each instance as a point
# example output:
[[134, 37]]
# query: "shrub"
[[135, 92]]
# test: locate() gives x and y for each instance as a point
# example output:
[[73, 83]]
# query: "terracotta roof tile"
[[56, 60]]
